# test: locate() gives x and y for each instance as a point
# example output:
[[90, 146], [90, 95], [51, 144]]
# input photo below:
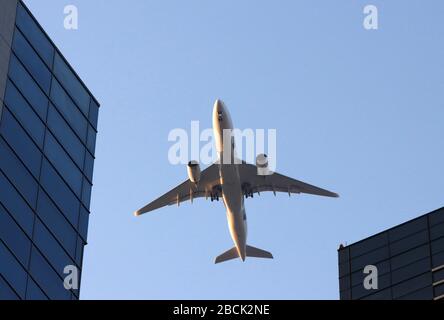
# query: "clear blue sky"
[[358, 112]]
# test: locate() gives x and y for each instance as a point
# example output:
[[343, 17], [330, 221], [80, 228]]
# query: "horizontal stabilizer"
[[250, 252], [227, 255], [258, 253]]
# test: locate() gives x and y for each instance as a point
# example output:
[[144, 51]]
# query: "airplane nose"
[[218, 105]]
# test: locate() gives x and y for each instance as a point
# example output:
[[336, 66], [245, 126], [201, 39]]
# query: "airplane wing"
[[209, 185], [254, 183]]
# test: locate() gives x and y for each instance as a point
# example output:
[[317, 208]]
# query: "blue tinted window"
[[410, 256], [86, 194], [89, 166], [14, 237], [380, 295], [411, 270], [63, 163], [18, 174], [357, 278], [33, 292], [344, 255], [68, 109], [421, 294], [438, 275], [408, 228], [60, 193], [439, 290], [6, 292], [15, 204], [46, 277], [56, 222], [359, 291], [31, 61], [368, 245], [91, 142], [438, 260], [83, 223], [79, 254], [412, 285], [28, 87], [71, 84], [21, 143], [373, 257], [436, 217], [437, 231], [409, 242], [34, 35], [51, 248], [24, 113], [12, 271], [438, 245], [93, 113], [66, 136]]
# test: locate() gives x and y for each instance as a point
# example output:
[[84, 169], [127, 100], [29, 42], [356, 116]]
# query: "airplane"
[[232, 179]]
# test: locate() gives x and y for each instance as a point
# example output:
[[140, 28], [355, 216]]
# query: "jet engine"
[[262, 161], [262, 165], [193, 169]]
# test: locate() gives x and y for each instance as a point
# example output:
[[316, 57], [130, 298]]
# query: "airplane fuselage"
[[232, 179], [229, 177]]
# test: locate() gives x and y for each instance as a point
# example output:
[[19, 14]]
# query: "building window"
[[72, 85], [14, 237], [69, 111], [27, 86], [66, 136], [63, 163], [93, 113], [18, 174], [24, 113], [60, 193], [46, 277], [35, 35], [31, 61], [13, 202], [57, 223], [21, 143], [12, 271]]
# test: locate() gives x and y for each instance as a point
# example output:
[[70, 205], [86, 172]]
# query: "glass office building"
[[48, 127], [409, 259]]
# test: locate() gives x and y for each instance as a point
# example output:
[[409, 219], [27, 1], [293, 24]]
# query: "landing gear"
[[249, 194], [248, 191]]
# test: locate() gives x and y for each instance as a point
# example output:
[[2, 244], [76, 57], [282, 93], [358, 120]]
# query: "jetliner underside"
[[231, 181]]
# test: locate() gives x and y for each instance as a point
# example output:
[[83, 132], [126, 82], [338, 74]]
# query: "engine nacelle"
[[262, 161], [262, 165], [193, 169]]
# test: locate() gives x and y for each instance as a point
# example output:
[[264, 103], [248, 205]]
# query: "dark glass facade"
[[48, 127], [409, 259]]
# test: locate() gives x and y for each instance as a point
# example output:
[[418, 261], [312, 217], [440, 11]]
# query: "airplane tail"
[[258, 253], [250, 252]]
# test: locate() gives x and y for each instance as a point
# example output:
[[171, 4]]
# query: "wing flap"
[[276, 182]]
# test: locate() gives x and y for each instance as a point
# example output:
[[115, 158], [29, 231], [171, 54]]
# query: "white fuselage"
[[229, 177]]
